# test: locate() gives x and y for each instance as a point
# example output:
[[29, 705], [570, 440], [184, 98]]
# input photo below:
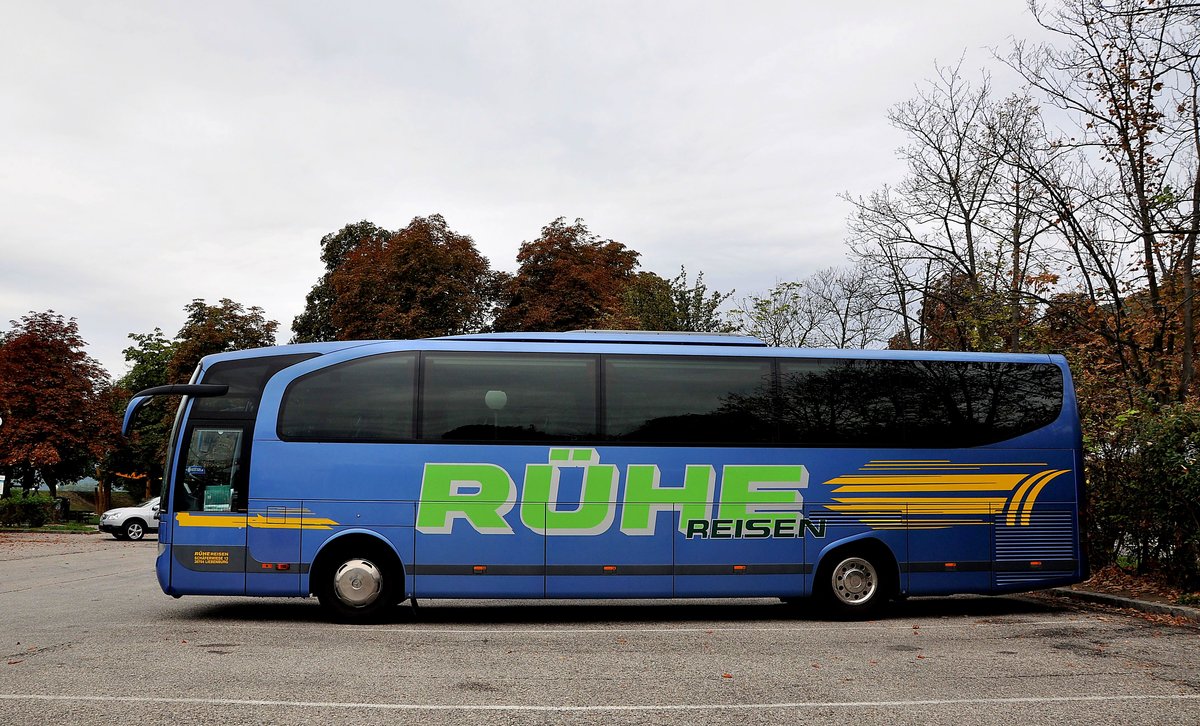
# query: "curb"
[[1145, 606]]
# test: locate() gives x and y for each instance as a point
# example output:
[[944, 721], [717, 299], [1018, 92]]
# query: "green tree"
[[652, 303], [647, 304], [147, 360], [697, 309], [424, 280], [314, 324], [216, 328], [567, 278], [56, 419], [140, 457], [778, 318]]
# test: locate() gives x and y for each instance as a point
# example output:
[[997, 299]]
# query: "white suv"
[[131, 522]]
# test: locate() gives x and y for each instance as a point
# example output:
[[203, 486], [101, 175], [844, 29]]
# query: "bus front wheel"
[[358, 583]]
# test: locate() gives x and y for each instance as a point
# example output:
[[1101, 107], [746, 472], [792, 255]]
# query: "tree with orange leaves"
[[568, 279], [423, 280]]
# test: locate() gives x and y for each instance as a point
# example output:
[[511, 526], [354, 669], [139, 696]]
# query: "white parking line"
[[614, 708]]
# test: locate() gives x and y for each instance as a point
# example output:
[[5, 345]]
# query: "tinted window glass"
[[934, 404], [508, 397], [688, 400], [209, 478], [369, 399], [245, 379]]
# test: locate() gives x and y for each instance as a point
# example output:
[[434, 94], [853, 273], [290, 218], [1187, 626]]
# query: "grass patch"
[[57, 528]]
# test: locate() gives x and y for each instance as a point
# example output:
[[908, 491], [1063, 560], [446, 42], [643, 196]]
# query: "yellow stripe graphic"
[[928, 483], [1034, 483], [1027, 510], [903, 484], [925, 505], [241, 521], [1016, 499]]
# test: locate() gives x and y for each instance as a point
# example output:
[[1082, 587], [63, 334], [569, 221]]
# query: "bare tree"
[[1123, 180], [833, 308], [844, 307], [1019, 219], [958, 233]]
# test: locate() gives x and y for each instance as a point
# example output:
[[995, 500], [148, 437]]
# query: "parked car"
[[131, 522]]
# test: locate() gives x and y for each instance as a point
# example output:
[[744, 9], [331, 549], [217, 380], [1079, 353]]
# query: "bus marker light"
[[951, 565], [267, 565], [610, 569], [740, 569], [1035, 563], [480, 569], [283, 566]]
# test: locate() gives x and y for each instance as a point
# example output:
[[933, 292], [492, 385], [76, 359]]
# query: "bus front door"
[[208, 541]]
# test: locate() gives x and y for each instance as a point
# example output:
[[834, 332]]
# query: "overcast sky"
[[152, 153]]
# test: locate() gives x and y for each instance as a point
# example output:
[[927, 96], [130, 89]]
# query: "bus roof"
[[614, 341], [636, 337]]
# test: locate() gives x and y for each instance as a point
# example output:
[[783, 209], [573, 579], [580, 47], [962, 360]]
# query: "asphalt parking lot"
[[86, 636]]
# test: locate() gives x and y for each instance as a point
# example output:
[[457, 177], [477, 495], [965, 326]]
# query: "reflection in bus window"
[[503, 397], [370, 399], [914, 403], [688, 400]]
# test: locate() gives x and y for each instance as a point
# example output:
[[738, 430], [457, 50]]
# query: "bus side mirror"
[[130, 411], [196, 390]]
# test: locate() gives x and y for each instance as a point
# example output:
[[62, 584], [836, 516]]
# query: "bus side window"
[[514, 397]]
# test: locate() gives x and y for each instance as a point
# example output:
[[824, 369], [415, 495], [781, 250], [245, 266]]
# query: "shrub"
[[28, 509], [1144, 481]]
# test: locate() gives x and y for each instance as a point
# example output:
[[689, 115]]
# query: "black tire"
[[135, 529], [119, 535], [359, 582], [855, 584]]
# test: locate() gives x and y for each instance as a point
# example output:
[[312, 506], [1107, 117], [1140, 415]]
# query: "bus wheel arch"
[[357, 576], [857, 579]]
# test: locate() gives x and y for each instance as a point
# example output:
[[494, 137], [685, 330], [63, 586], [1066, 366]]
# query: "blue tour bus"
[[602, 464]]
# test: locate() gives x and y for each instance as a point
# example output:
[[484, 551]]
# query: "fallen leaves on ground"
[[1116, 580]]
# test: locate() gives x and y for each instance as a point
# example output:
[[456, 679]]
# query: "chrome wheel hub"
[[357, 582], [855, 581]]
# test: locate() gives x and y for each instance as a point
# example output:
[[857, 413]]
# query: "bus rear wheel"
[[854, 584], [358, 583]]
